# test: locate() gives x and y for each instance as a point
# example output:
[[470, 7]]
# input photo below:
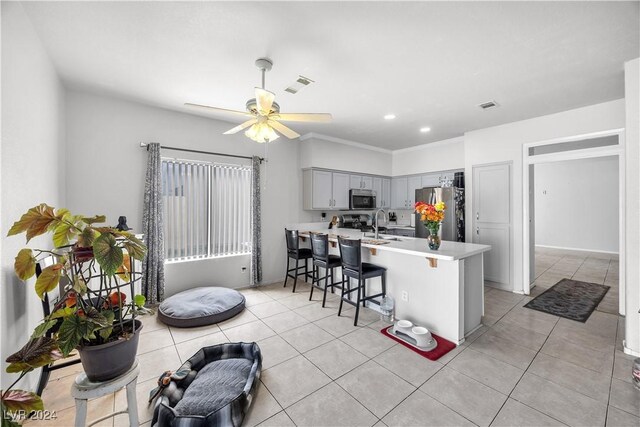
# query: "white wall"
[[320, 153], [504, 144], [33, 165], [632, 208], [437, 156], [107, 167], [566, 214]]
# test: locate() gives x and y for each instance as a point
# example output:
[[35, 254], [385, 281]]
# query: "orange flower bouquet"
[[431, 216]]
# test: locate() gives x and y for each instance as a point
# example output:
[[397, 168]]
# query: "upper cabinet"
[[326, 190], [361, 182], [413, 183], [382, 189], [329, 190], [399, 198], [340, 191]]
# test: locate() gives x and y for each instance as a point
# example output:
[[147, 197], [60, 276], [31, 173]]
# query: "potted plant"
[[92, 266], [18, 404]]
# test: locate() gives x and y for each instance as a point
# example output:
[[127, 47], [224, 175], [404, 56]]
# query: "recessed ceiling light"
[[425, 130], [389, 116]]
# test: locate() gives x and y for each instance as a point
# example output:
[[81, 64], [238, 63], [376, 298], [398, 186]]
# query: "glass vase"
[[433, 240]]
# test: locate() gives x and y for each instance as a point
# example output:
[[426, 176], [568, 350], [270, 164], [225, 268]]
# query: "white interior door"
[[492, 220]]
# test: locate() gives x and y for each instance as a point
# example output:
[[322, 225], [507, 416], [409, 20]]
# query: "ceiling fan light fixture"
[[261, 132]]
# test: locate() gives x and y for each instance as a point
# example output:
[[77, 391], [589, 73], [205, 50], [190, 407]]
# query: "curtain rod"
[[164, 147]]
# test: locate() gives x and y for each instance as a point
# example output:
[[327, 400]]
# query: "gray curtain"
[[153, 226], [256, 224]]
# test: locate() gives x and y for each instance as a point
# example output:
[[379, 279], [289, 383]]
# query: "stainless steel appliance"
[[452, 227], [356, 221], [362, 199]]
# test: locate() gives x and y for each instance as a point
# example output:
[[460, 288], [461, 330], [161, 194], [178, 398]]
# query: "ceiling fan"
[[265, 113]]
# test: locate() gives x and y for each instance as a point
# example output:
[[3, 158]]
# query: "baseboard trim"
[[627, 350], [578, 249]]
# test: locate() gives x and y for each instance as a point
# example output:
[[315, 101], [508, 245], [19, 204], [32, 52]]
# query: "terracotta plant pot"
[[105, 362]]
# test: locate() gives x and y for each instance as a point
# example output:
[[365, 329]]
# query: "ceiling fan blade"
[[304, 117], [264, 99], [220, 110], [241, 126], [283, 129]]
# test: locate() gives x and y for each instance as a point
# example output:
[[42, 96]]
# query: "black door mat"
[[570, 299]]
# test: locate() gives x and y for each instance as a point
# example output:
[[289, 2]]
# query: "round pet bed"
[[200, 306], [215, 387]]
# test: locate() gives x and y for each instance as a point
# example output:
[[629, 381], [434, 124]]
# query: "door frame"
[[585, 153], [473, 207]]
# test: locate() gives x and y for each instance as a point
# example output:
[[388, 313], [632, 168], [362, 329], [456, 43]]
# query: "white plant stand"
[[82, 390]]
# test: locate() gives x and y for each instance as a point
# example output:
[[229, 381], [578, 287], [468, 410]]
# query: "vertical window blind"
[[207, 209]]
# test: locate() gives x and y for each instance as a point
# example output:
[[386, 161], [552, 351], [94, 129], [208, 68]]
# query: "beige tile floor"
[[523, 368]]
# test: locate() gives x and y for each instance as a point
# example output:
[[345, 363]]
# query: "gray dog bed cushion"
[[200, 306], [215, 387]]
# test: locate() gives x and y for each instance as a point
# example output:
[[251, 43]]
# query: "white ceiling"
[[428, 63]]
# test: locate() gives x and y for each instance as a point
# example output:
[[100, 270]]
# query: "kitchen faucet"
[[385, 220]]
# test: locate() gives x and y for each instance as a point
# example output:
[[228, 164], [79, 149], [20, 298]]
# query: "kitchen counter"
[[448, 251], [441, 290]]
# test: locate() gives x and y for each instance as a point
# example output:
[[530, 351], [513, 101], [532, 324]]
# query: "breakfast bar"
[[441, 290]]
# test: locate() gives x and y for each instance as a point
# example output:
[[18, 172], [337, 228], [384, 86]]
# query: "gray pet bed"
[[215, 387], [200, 306]]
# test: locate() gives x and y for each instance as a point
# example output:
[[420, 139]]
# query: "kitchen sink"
[[384, 237]]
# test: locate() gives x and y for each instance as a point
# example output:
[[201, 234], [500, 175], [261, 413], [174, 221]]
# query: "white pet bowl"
[[421, 335], [403, 326]]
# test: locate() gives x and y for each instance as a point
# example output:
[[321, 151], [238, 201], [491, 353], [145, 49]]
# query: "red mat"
[[444, 346]]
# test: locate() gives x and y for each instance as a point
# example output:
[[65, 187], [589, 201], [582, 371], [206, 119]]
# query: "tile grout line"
[[522, 376]]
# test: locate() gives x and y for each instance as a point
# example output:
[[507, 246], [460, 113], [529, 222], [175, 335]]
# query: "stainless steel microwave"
[[362, 199]]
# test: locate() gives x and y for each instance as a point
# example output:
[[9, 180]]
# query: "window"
[[207, 209]]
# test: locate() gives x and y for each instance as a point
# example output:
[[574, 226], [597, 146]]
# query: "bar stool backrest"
[[351, 254], [320, 246], [293, 244]]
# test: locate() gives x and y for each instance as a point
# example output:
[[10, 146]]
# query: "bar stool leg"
[[306, 270], [315, 272], [295, 275], [360, 285], [328, 272], [342, 293], [132, 404], [286, 274], [364, 291], [81, 413]]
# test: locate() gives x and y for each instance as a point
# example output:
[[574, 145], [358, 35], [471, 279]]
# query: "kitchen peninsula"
[[442, 290]]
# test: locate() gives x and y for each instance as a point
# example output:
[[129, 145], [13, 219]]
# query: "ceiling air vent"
[[488, 104], [299, 84]]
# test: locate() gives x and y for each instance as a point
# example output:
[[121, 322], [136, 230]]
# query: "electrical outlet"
[[405, 296]]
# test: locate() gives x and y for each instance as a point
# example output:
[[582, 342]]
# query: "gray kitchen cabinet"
[[399, 193], [413, 183], [386, 193], [431, 180], [340, 191], [377, 189], [361, 182], [322, 189], [325, 190]]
